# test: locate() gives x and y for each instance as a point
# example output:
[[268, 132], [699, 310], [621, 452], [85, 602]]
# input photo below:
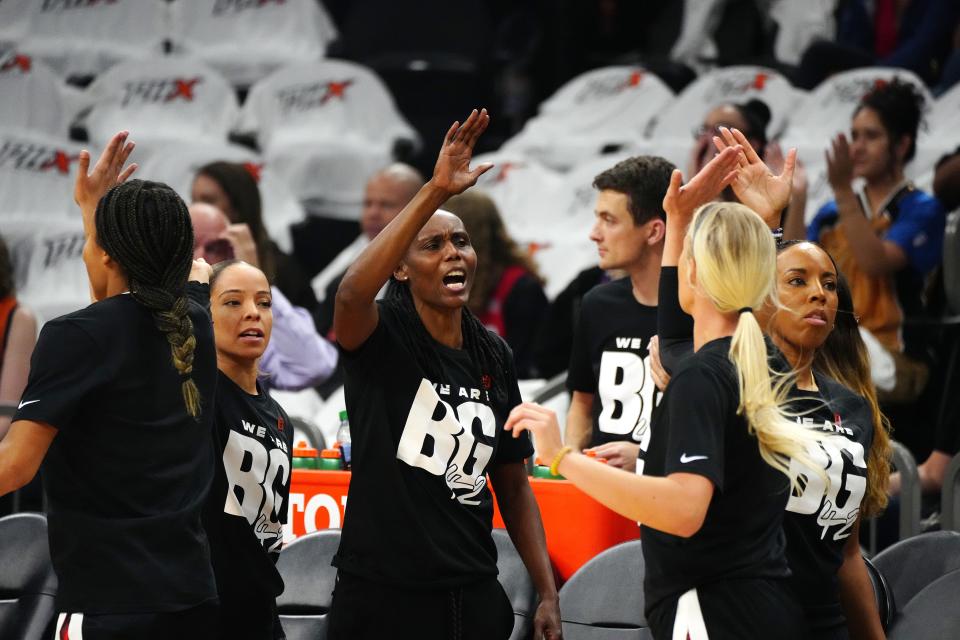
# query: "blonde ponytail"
[[735, 260]]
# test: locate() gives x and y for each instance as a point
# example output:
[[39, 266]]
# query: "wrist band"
[[777, 234], [554, 466]]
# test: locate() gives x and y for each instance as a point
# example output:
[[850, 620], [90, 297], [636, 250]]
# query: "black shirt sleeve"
[[695, 440], [66, 366], [674, 326]]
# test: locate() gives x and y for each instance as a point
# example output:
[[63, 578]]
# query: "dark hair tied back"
[[145, 227], [758, 116], [899, 105]]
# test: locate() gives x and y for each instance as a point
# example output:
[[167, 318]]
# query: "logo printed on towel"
[[236, 6], [159, 90], [28, 156], [50, 6], [313, 95]]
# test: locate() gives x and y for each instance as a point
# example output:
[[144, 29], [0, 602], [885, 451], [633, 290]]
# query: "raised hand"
[[241, 240], [682, 200], [200, 271], [452, 172], [755, 185], [107, 173], [839, 164]]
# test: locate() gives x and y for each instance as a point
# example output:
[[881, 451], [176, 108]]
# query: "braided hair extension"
[[145, 227], [485, 349]]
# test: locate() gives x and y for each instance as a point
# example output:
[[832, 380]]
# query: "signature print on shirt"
[[440, 439], [252, 477], [838, 498]]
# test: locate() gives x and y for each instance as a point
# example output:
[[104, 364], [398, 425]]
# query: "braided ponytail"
[[145, 227]]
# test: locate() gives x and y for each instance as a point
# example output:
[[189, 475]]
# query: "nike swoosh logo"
[[684, 459], [25, 403]]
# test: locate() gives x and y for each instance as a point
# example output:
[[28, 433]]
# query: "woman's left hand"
[[755, 185], [546, 622], [541, 423]]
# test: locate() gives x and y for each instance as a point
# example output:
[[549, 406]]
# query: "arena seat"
[[82, 39], [912, 564], [47, 257], [176, 163], [37, 176], [162, 99], [30, 95], [517, 584], [932, 614], [14, 20], [604, 598], [602, 108], [524, 191], [309, 579], [326, 127], [246, 41], [27, 582], [945, 114], [727, 84], [886, 605]]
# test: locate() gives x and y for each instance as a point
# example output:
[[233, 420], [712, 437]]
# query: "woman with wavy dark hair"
[[118, 407]]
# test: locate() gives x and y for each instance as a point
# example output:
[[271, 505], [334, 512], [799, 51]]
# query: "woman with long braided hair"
[[119, 407], [428, 390]]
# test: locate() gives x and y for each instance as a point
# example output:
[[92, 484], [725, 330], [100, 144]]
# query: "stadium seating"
[[598, 110], [309, 580], [30, 95], [82, 39], [326, 127], [603, 600], [912, 564], [36, 176], [48, 259], [27, 582], [176, 163], [162, 99], [517, 584], [950, 499], [932, 614], [246, 41]]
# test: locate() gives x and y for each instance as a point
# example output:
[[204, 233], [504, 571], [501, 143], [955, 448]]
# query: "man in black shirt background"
[[618, 319]]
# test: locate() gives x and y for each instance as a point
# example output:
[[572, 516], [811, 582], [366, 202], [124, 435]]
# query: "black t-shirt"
[[697, 430], [523, 311], [247, 507], [419, 511], [129, 469], [819, 521], [610, 360]]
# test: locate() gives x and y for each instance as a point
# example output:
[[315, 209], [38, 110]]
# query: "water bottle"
[[343, 439]]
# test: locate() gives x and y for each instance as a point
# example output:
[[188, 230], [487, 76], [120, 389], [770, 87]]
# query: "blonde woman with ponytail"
[[715, 481], [812, 333], [118, 407]]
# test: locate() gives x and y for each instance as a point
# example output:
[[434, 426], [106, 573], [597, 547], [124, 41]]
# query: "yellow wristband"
[[554, 466]]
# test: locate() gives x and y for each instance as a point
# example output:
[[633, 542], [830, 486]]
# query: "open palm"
[[755, 185], [452, 172], [109, 171]]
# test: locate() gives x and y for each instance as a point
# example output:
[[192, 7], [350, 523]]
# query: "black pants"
[[197, 622], [732, 610], [364, 610]]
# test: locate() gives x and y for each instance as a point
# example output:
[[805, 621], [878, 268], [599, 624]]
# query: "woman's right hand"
[[107, 173], [452, 172], [681, 200]]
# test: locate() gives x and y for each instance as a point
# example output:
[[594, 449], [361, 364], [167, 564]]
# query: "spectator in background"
[[387, 192], [613, 394], [885, 236], [18, 334], [909, 34], [946, 180], [230, 187], [296, 357], [751, 118], [507, 295]]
